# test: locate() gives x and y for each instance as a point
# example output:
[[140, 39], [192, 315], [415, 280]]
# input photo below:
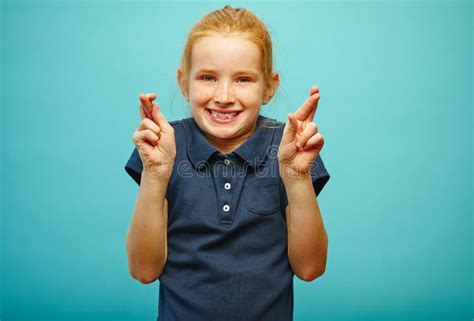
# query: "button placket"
[[223, 176]]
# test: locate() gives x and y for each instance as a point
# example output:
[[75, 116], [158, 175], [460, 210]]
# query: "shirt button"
[[226, 208], [227, 186], [227, 161]]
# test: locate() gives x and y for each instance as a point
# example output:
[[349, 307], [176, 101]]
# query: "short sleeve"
[[134, 166], [319, 174]]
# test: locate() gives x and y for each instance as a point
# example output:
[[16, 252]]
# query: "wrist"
[[288, 173], [291, 177], [160, 174], [154, 185]]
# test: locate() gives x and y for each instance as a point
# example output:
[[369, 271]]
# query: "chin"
[[220, 132]]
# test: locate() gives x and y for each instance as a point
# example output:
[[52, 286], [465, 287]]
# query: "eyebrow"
[[211, 71]]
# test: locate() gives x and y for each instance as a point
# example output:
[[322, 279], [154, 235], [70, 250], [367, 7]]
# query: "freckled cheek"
[[249, 97], [200, 96], [249, 100]]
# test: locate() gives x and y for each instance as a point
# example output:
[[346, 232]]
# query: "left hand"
[[301, 142]]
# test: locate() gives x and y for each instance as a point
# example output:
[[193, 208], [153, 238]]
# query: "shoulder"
[[182, 131], [181, 123], [271, 121], [178, 126], [275, 126]]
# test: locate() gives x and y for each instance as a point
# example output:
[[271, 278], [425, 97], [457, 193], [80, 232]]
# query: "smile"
[[222, 117]]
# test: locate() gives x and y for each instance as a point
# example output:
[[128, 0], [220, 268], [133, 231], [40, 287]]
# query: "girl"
[[227, 212]]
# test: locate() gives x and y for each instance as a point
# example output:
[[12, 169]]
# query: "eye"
[[243, 79], [207, 78]]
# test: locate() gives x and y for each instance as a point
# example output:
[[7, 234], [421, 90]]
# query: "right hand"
[[154, 139]]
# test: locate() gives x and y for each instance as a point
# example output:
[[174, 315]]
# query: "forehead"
[[225, 53]]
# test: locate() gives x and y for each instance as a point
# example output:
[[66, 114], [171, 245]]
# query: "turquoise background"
[[395, 111]]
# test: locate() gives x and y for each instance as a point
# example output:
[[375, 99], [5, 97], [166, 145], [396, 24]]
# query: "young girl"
[[227, 212]]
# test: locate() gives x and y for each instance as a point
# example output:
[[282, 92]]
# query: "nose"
[[224, 94]]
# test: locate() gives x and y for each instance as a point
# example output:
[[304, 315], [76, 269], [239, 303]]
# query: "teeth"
[[223, 116]]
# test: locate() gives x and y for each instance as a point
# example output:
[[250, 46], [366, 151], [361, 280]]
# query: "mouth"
[[223, 117]]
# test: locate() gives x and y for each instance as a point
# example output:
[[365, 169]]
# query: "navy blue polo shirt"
[[227, 234]]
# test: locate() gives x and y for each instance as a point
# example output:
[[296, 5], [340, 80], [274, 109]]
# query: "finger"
[[160, 119], [314, 89], [147, 104], [143, 113], [316, 141], [313, 111], [145, 136], [150, 136], [308, 109], [149, 124], [151, 96], [309, 130]]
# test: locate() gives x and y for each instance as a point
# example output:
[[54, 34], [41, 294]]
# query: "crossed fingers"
[[302, 120], [308, 109], [146, 105]]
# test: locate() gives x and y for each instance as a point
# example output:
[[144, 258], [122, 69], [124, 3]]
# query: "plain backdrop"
[[396, 82]]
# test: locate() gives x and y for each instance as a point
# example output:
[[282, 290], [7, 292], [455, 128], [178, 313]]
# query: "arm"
[[299, 148], [147, 235], [307, 237]]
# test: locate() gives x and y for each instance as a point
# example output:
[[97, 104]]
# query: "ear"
[[182, 84], [270, 92]]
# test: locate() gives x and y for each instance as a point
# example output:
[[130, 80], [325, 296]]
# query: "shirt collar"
[[253, 151]]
